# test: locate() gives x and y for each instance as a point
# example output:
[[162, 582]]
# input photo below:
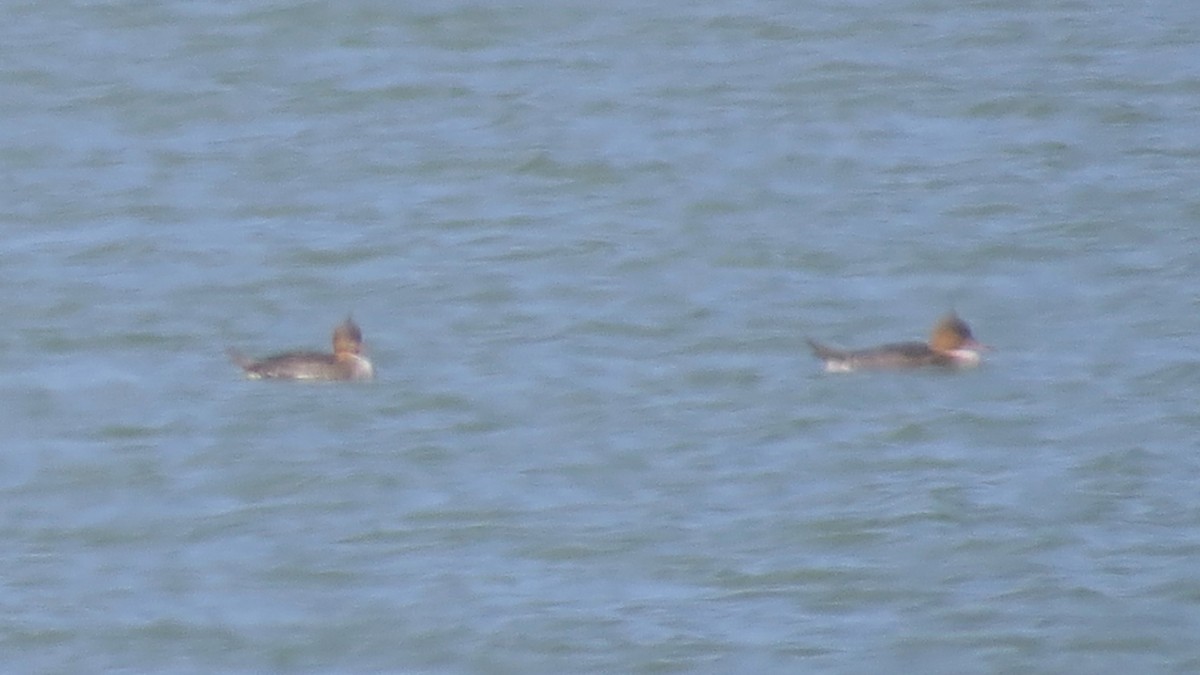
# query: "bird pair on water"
[[951, 345]]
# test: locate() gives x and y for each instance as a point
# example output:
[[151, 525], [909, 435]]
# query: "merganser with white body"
[[951, 345], [345, 363]]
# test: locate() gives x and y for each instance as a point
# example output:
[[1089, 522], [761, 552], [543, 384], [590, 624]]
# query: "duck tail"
[[238, 358], [822, 352]]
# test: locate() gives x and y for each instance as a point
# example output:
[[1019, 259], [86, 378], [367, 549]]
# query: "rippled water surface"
[[585, 244]]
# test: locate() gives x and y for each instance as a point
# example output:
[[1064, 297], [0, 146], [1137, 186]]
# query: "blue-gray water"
[[585, 242]]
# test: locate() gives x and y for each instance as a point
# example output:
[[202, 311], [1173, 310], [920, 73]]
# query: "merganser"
[[951, 345], [345, 363]]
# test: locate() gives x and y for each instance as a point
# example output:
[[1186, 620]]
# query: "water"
[[585, 245]]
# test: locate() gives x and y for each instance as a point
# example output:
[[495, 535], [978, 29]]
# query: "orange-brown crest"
[[949, 333], [347, 338]]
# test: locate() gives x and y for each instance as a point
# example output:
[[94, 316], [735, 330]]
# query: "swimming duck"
[[345, 363], [950, 345]]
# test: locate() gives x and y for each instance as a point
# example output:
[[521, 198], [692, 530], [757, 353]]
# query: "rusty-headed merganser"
[[951, 345], [345, 363]]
